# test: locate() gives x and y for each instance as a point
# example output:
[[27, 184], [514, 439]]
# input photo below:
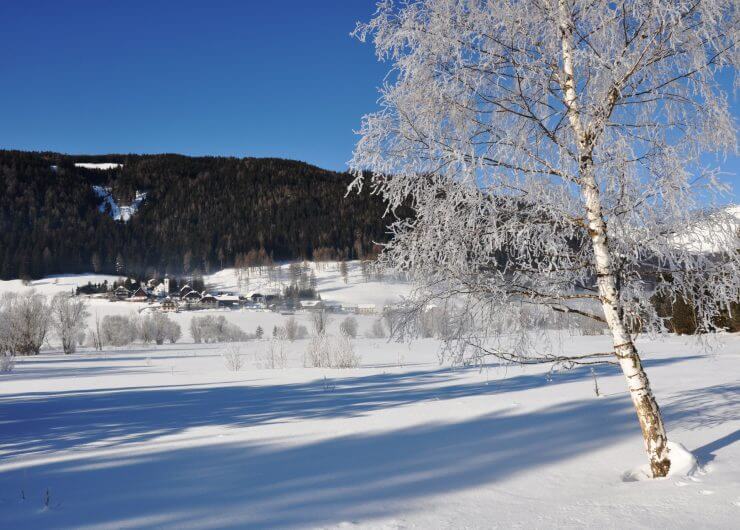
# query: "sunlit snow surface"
[[167, 437]]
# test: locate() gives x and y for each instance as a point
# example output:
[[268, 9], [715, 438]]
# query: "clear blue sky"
[[245, 78]]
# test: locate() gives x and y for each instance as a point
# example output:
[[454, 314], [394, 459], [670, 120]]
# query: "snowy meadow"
[[178, 436]]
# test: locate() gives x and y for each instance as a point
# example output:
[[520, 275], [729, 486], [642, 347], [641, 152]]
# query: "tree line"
[[200, 214]]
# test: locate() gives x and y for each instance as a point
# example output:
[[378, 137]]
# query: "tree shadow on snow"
[[35, 422], [277, 485], [349, 478]]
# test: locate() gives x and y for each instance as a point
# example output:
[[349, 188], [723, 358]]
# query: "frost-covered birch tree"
[[554, 153]]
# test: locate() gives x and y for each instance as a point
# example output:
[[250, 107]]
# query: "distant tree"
[[120, 266], [320, 321], [172, 331], [68, 319], [348, 327], [259, 332], [343, 271], [95, 262], [24, 322]]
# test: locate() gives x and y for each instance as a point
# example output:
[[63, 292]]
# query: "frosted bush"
[[7, 363], [344, 354], [215, 329], [119, 330], [377, 331], [348, 327], [331, 352], [275, 354]]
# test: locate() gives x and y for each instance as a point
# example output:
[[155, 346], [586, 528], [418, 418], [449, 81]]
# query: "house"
[[366, 309], [332, 307], [139, 295], [208, 300], [169, 305], [228, 300], [258, 298], [190, 296], [185, 290], [312, 305], [121, 293]]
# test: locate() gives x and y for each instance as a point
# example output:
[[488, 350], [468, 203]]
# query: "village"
[[163, 295]]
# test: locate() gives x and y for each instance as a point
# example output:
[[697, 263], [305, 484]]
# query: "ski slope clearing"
[[168, 437], [104, 166], [119, 212]]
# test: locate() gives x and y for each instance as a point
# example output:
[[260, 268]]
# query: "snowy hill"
[[360, 287], [713, 233]]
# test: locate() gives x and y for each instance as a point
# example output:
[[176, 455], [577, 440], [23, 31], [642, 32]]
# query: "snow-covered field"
[[168, 437]]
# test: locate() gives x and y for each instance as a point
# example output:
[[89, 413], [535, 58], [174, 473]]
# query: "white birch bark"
[[646, 406]]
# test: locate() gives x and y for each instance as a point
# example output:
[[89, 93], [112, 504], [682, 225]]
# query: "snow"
[[329, 283], [703, 237], [683, 464], [168, 437], [123, 212], [98, 165]]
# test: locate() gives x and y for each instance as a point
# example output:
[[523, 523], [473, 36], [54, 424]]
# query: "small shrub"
[[7, 363], [233, 358], [331, 352], [276, 356]]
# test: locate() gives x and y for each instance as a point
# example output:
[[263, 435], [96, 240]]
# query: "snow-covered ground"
[[98, 165], [168, 437]]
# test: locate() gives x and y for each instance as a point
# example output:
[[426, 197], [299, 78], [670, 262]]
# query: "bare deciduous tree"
[[319, 321], [553, 151], [24, 322], [68, 318]]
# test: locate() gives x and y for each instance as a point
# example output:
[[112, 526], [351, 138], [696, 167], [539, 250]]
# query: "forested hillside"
[[199, 214]]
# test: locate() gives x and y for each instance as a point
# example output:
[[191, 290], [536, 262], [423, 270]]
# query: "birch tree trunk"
[[648, 412]]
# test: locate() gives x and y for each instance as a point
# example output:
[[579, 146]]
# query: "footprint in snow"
[[681, 483], [706, 492]]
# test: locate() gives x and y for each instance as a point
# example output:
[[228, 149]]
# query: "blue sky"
[[250, 78], [244, 78]]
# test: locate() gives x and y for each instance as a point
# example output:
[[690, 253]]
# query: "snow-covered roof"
[[227, 298]]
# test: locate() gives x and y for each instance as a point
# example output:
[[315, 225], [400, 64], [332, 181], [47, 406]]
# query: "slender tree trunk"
[[648, 412]]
